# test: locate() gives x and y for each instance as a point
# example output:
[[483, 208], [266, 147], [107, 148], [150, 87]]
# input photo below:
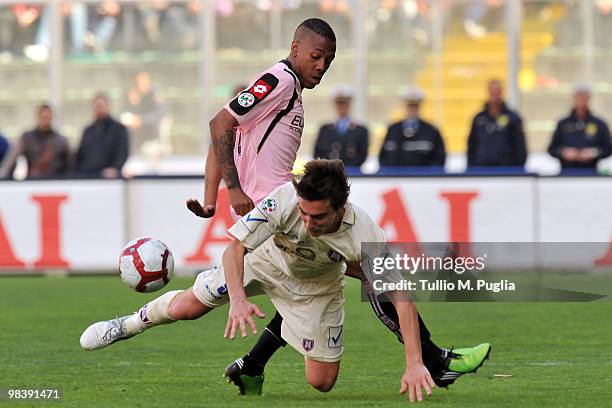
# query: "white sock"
[[152, 314]]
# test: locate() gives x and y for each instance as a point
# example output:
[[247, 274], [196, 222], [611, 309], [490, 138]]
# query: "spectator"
[[344, 140], [475, 14], [4, 147], [412, 142], [603, 23], [179, 27], [496, 137], [105, 144], [78, 28], [46, 151], [145, 111], [105, 22], [581, 138]]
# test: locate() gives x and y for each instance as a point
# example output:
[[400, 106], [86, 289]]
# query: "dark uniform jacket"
[[350, 146], [105, 143], [4, 147], [412, 143], [591, 132], [497, 141]]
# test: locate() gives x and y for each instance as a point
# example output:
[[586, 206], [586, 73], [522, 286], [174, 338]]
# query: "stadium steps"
[[466, 66]]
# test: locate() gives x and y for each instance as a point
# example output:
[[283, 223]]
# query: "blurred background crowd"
[[101, 89]]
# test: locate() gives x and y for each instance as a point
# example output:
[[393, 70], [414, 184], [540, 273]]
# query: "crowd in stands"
[[136, 26], [102, 152], [93, 28], [496, 138]]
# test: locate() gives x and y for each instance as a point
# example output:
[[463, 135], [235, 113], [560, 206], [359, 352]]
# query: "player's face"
[[581, 100], [45, 118], [495, 93], [313, 56], [343, 108], [100, 108], [412, 110], [319, 217]]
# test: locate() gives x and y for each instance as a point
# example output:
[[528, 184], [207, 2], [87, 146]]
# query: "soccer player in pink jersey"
[[255, 138]]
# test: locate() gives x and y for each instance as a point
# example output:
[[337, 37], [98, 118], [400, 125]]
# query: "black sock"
[[431, 353], [385, 310], [269, 342]]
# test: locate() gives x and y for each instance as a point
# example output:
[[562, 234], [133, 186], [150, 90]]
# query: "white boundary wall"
[[82, 225]]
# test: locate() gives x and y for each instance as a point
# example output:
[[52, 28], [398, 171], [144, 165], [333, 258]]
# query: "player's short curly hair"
[[320, 27], [324, 180]]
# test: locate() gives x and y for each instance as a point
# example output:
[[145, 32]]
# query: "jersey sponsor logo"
[[254, 219], [305, 253], [301, 252], [269, 205], [298, 121], [261, 88], [308, 344], [290, 235], [335, 337], [248, 99], [297, 124]]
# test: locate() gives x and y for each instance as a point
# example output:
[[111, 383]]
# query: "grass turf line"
[[557, 353]]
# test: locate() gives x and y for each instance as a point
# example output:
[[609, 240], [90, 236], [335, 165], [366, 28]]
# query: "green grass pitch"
[[559, 354]]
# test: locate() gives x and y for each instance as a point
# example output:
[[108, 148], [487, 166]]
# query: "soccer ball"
[[146, 265]]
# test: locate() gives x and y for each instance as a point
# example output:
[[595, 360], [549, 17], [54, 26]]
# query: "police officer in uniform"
[[344, 140], [496, 137], [412, 142], [581, 139]]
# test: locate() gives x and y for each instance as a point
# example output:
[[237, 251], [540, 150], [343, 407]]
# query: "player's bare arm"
[[241, 310], [212, 179], [223, 134], [416, 375]]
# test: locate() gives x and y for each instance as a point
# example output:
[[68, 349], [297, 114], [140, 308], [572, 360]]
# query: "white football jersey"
[[274, 230]]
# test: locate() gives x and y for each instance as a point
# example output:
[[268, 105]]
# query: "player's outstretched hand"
[[240, 202], [240, 313], [414, 378], [195, 207]]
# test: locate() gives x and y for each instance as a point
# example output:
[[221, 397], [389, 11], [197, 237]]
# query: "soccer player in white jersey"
[[295, 246], [255, 138]]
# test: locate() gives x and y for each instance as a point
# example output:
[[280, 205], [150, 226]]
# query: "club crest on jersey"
[[307, 344], [246, 99], [334, 255], [269, 205], [249, 98]]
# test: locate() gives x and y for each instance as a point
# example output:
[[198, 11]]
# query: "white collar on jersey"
[[349, 215]]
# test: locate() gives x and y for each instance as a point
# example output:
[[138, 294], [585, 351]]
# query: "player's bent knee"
[[185, 306], [321, 375], [322, 384]]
